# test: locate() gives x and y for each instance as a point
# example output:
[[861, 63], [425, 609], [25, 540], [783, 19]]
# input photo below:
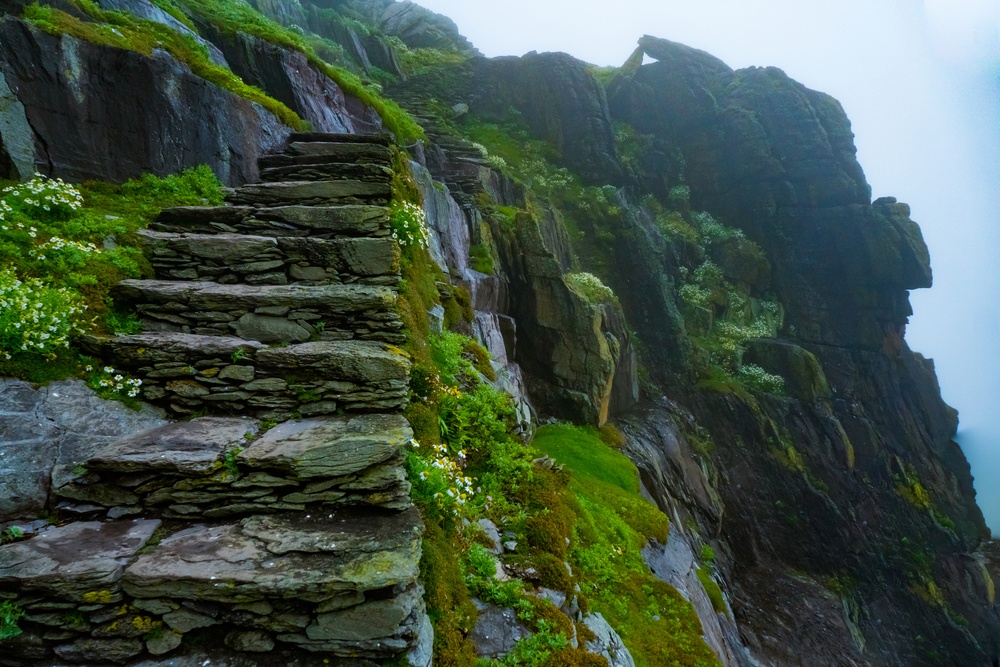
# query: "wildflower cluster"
[[41, 198], [115, 382], [591, 287], [443, 478], [409, 224], [35, 318], [55, 244]]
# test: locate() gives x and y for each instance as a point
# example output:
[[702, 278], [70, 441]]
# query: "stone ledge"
[[312, 193], [239, 258], [285, 221]]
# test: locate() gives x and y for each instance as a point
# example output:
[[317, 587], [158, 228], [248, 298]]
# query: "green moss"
[[712, 589], [233, 17], [10, 614], [481, 259]]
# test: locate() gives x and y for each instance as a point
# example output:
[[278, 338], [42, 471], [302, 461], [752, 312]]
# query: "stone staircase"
[[295, 540]]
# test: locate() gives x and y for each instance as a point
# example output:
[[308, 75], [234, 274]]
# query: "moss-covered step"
[[187, 373], [285, 221], [341, 138], [312, 193], [265, 260], [266, 313], [213, 467]]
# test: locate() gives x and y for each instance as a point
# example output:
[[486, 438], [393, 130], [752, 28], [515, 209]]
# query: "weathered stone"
[[188, 448], [250, 641], [311, 193], [187, 388], [185, 620], [313, 273], [81, 562], [265, 384], [354, 361], [238, 373], [117, 651], [339, 220], [366, 621], [328, 447], [340, 602], [163, 642], [281, 558], [497, 630], [270, 329], [802, 372], [607, 642]]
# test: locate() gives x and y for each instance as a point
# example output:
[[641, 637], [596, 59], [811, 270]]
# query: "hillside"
[[367, 349]]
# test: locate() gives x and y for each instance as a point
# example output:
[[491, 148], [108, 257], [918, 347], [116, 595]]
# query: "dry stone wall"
[[278, 524]]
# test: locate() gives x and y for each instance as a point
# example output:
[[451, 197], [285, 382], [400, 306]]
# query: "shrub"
[[590, 287]]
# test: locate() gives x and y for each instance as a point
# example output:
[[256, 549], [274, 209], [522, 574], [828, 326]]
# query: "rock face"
[[101, 112], [314, 545], [46, 432]]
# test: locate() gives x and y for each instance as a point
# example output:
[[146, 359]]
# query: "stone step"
[[214, 467], [336, 137], [266, 313], [287, 221], [313, 170], [344, 583], [312, 193], [335, 152], [265, 260], [187, 373]]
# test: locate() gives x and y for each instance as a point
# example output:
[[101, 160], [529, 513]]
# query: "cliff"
[[682, 255]]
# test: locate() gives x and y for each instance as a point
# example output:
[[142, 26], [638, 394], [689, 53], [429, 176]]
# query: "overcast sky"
[[920, 80]]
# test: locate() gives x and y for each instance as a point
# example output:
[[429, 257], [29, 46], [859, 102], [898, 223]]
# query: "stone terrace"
[[287, 540]]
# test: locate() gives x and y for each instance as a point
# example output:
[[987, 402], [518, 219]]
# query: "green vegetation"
[[481, 259], [64, 247], [909, 486], [409, 224], [232, 17], [613, 524], [591, 288], [10, 614], [125, 31]]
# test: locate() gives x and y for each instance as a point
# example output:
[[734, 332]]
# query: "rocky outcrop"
[[105, 113], [45, 433]]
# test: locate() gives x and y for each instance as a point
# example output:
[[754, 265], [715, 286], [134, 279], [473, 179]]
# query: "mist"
[[920, 81]]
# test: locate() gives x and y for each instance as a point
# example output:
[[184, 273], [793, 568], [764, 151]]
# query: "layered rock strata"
[[256, 537]]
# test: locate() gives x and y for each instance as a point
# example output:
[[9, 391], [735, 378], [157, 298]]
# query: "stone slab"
[[80, 562], [307, 557], [331, 447], [311, 193], [188, 448]]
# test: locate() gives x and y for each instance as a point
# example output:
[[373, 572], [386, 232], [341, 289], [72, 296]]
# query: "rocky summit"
[[327, 340]]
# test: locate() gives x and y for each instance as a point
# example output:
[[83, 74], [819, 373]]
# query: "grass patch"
[[613, 524]]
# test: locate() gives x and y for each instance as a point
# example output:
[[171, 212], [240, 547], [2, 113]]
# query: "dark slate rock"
[[81, 562], [94, 120]]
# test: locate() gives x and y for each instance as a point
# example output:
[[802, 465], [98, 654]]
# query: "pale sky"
[[920, 80]]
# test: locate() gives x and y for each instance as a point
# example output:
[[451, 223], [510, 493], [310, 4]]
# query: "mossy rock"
[[804, 376]]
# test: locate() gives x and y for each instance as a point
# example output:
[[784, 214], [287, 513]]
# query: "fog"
[[920, 81]]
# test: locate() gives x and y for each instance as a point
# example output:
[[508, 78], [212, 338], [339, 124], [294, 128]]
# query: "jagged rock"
[[419, 27], [287, 75], [493, 534], [497, 630], [144, 9], [330, 447], [803, 374], [189, 448], [320, 557], [607, 642], [82, 562], [78, 128], [46, 432]]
